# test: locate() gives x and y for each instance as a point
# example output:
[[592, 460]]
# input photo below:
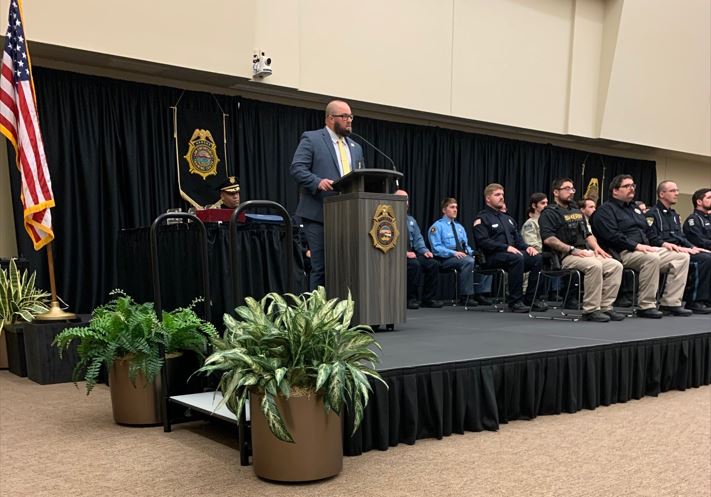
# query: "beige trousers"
[[650, 266], [602, 280]]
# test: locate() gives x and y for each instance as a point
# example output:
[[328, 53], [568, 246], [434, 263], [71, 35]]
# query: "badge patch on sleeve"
[[650, 221], [433, 230], [691, 222], [477, 222]]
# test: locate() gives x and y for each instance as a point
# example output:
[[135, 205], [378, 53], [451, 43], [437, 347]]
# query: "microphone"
[[377, 150]]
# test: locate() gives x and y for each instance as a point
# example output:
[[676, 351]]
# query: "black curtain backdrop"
[[111, 157]]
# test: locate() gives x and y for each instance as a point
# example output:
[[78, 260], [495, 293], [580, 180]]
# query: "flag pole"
[[55, 313]]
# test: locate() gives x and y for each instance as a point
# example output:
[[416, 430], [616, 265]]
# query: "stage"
[[451, 370]]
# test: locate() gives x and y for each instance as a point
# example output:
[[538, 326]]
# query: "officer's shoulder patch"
[[637, 211], [650, 221], [477, 221], [691, 222], [433, 229]]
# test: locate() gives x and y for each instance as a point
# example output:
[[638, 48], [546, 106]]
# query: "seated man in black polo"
[[496, 235], [421, 267], [665, 221], [620, 226]]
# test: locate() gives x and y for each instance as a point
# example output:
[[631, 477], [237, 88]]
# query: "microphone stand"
[[392, 163]]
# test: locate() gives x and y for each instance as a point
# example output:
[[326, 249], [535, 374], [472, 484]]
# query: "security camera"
[[261, 64]]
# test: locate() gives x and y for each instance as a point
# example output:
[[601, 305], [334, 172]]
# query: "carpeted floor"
[[56, 441]]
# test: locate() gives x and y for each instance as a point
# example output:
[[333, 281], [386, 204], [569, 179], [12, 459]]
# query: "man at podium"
[[323, 156]]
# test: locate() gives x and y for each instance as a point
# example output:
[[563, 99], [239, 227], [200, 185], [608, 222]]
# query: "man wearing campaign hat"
[[229, 195]]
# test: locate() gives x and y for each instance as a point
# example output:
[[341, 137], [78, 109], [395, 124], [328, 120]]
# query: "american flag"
[[19, 123]]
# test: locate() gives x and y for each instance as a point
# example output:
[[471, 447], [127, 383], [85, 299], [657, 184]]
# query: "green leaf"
[[274, 419], [279, 374], [324, 370]]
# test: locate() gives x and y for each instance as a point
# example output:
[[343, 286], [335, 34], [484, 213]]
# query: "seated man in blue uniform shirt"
[[422, 267], [497, 235], [449, 243]]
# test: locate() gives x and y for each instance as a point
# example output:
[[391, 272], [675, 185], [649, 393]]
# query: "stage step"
[[206, 403]]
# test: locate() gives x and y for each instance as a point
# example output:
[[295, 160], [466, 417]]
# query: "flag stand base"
[[55, 313]]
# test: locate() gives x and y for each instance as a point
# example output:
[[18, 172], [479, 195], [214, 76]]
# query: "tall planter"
[[317, 451], [139, 405], [133, 405], [14, 338], [3, 350]]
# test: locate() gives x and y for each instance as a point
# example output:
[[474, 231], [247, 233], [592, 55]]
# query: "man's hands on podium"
[[325, 185]]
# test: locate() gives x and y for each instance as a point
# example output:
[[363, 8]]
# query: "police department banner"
[[201, 153]]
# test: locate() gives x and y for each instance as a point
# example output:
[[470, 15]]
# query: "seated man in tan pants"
[[564, 230], [619, 225]]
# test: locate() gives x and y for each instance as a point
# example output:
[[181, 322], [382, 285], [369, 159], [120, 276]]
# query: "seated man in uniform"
[[229, 195], [564, 230], [421, 267], [665, 221], [497, 235], [620, 226], [450, 245], [697, 226]]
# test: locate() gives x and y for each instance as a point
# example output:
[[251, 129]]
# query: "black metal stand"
[[158, 306], [245, 445]]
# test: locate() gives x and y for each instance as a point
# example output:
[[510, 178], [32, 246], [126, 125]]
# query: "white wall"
[[636, 71], [660, 88]]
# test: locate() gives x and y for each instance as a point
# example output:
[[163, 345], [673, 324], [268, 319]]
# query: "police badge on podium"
[[384, 231]]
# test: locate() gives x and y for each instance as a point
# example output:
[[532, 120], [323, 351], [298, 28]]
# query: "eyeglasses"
[[630, 185], [568, 188], [345, 117]]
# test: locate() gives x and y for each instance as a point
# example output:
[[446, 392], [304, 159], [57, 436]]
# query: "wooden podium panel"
[[377, 280]]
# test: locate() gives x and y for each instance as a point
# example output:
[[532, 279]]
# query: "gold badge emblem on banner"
[[202, 153], [593, 190], [384, 231]]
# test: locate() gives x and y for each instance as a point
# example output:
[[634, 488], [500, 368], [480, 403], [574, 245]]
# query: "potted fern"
[[124, 337], [300, 362], [20, 302]]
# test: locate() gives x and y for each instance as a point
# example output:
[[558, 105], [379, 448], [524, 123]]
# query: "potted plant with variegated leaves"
[[300, 363], [20, 302]]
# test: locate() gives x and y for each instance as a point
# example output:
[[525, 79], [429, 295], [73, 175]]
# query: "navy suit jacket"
[[315, 159]]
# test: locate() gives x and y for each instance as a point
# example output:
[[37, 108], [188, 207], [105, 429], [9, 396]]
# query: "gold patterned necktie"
[[345, 165]]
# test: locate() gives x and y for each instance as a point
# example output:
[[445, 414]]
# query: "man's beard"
[[341, 130]]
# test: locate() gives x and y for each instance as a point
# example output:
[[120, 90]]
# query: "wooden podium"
[[365, 229]]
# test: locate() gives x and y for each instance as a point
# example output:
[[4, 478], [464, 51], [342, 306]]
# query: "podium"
[[365, 231]]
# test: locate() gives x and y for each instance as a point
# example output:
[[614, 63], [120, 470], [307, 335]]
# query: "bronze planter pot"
[[4, 363], [133, 405], [317, 451]]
